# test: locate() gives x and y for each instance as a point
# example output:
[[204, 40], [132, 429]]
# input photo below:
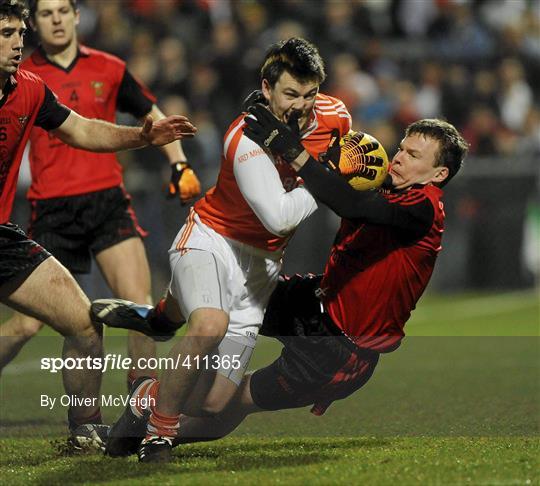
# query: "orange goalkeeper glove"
[[184, 182]]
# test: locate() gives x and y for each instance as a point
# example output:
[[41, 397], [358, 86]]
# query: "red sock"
[[163, 425], [159, 309], [135, 374], [145, 396]]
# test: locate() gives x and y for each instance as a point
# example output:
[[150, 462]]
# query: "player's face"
[[55, 23], [414, 162], [289, 95], [11, 43]]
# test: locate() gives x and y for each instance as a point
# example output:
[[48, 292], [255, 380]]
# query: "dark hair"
[[453, 147], [13, 8], [33, 4], [298, 57]]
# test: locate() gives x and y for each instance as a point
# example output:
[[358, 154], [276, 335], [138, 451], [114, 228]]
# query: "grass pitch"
[[458, 403]]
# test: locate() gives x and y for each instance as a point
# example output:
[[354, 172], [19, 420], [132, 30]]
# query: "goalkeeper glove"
[[270, 133], [184, 182], [252, 98], [349, 156]]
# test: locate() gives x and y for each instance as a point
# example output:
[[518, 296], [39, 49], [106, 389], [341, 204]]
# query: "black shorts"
[[318, 363], [19, 255], [75, 227]]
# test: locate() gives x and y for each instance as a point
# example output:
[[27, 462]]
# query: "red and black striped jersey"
[[26, 101], [377, 272], [95, 85]]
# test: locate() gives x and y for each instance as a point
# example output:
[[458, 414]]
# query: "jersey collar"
[[311, 126], [387, 188], [39, 57]]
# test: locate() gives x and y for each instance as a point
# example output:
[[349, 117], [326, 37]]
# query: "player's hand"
[[253, 98], [184, 182], [270, 133], [166, 130], [350, 156]]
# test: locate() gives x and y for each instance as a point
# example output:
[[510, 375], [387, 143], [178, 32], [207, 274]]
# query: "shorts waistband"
[[252, 250], [335, 330]]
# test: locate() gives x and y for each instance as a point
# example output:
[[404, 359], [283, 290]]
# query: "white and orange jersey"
[[257, 200]]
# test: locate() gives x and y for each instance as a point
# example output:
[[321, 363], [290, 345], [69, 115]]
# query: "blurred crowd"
[[474, 62]]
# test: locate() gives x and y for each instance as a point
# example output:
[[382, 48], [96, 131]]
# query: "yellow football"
[[362, 161]]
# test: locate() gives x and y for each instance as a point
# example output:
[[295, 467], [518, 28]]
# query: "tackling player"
[[79, 205], [31, 281], [225, 261], [335, 326]]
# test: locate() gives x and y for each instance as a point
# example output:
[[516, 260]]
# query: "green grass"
[[309, 461], [458, 403]]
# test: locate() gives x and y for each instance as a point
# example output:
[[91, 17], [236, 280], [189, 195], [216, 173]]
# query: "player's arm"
[[279, 211], [184, 183], [173, 151], [329, 187], [136, 99], [101, 136], [367, 206]]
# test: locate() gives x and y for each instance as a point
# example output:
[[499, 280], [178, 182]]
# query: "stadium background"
[[473, 62]]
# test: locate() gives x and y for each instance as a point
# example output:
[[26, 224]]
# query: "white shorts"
[[232, 359], [209, 270]]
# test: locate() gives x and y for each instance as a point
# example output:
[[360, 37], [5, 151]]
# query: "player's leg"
[[14, 334], [209, 397], [222, 399], [125, 268], [197, 429], [206, 399], [223, 371], [50, 294], [252, 278], [205, 329], [200, 283], [264, 389], [199, 286], [213, 391], [120, 254], [49, 220], [220, 378]]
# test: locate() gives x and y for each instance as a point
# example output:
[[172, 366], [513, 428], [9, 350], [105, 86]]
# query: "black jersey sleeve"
[[133, 98], [52, 113], [413, 219]]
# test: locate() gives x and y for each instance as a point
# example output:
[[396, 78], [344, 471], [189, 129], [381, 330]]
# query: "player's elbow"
[[279, 227], [283, 221]]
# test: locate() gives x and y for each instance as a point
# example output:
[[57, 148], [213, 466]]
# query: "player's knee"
[[209, 325], [86, 345], [85, 328], [30, 327]]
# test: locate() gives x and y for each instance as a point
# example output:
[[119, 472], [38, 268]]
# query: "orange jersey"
[[224, 207]]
